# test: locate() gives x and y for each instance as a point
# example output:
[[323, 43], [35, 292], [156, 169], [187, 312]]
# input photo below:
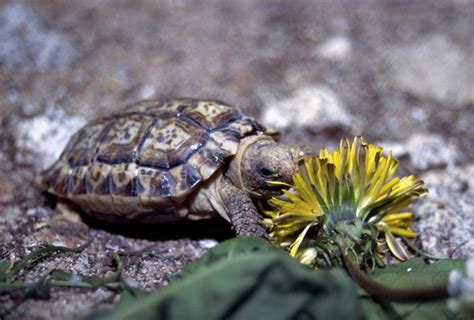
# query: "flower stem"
[[401, 295]]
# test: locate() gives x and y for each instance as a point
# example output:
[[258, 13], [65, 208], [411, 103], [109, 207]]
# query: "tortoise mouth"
[[274, 186], [272, 189]]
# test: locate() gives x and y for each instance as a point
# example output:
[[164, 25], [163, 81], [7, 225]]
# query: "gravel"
[[396, 72]]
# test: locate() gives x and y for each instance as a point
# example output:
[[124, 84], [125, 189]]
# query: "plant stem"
[[401, 295]]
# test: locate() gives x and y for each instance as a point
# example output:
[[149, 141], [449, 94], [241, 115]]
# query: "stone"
[[429, 151], [426, 151], [314, 108], [40, 140], [445, 220], [433, 68], [27, 42], [336, 48]]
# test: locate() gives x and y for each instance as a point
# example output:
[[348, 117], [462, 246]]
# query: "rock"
[[397, 149], [426, 151], [336, 48], [315, 108], [41, 139], [433, 68], [445, 223], [432, 151], [208, 243], [27, 42]]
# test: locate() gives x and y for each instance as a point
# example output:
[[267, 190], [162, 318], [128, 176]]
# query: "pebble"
[[432, 151], [433, 67], [337, 48], [426, 151], [315, 108], [41, 139], [37, 46]]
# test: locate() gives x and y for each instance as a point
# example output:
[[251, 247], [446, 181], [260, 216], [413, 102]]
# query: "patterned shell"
[[148, 158]]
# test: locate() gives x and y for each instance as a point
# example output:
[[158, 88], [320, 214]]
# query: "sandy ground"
[[400, 73]]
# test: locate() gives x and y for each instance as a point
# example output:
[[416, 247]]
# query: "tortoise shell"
[[148, 158]]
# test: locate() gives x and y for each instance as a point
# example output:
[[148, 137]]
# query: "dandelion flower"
[[343, 200]]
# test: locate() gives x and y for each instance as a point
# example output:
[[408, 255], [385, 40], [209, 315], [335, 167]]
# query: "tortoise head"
[[260, 160]]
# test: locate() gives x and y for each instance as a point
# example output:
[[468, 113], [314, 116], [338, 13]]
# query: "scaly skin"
[[242, 212]]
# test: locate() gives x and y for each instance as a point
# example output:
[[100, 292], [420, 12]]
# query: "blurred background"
[[400, 73]]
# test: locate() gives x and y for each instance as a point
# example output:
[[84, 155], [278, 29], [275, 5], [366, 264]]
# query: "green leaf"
[[35, 255], [4, 268], [228, 250], [250, 281], [411, 274], [54, 278]]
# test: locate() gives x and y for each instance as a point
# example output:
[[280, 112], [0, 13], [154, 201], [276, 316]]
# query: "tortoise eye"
[[265, 172]]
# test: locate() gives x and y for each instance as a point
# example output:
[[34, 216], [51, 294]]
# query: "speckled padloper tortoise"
[[163, 160]]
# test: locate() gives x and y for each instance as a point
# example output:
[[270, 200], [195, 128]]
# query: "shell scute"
[[155, 184], [78, 181], [124, 180], [63, 184], [120, 143], [187, 178], [211, 115], [97, 177], [170, 143], [84, 145], [162, 109]]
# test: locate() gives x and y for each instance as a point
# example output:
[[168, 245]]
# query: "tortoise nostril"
[[296, 153]]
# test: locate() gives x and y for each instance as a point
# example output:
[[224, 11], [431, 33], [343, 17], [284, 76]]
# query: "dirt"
[[395, 71]]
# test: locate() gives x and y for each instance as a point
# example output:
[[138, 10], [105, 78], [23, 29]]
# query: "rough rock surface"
[[433, 68], [28, 42], [445, 217], [426, 151], [396, 71], [36, 135], [311, 108]]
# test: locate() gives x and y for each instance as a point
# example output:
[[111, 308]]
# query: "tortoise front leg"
[[242, 212]]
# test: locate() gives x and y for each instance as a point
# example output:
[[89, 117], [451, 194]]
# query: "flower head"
[[352, 192]]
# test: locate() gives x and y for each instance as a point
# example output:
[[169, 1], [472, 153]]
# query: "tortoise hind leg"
[[65, 213], [241, 210]]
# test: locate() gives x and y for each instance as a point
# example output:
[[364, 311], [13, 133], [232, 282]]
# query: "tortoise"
[[164, 160]]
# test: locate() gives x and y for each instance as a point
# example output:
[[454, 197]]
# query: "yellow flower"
[[354, 182], [397, 224]]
